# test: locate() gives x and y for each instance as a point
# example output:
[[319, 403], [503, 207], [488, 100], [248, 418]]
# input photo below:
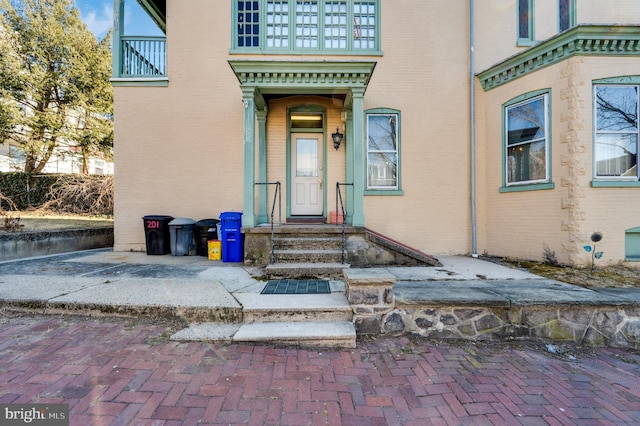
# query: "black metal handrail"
[[340, 204], [276, 197]]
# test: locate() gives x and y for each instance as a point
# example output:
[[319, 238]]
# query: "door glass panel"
[[306, 157]]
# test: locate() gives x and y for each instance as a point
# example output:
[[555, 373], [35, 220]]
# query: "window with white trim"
[[527, 141], [616, 132], [383, 150], [306, 25]]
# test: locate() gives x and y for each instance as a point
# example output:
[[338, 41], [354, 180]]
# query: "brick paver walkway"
[[122, 373]]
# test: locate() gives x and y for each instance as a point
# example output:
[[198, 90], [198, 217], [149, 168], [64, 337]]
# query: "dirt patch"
[[618, 276]]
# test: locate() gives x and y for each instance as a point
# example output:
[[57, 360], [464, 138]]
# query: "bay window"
[[527, 143], [279, 26], [616, 132]]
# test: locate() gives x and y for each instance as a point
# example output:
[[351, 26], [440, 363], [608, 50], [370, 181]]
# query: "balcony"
[[141, 59], [143, 56]]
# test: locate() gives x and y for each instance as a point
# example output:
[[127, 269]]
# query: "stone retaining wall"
[[376, 311], [590, 326]]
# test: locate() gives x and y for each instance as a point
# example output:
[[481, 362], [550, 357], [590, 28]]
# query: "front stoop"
[[318, 320], [299, 251]]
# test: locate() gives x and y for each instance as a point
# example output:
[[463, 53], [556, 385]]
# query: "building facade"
[[506, 127]]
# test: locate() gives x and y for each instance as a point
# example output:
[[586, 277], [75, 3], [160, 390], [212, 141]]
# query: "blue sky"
[[98, 17]]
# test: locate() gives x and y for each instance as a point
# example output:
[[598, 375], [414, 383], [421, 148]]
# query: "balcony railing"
[[143, 56]]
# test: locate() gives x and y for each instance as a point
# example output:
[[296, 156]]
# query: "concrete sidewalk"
[[125, 279], [202, 291]]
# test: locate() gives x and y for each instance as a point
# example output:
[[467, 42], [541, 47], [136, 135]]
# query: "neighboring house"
[[66, 159], [504, 128]]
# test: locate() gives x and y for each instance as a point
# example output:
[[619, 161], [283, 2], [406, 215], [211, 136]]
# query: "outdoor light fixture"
[[337, 138]]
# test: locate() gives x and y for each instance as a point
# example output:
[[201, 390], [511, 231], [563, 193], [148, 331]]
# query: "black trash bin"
[[205, 230], [156, 232], [181, 236]]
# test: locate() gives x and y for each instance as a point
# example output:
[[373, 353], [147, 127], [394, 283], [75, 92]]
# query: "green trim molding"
[[632, 244], [386, 191], [527, 187], [302, 78], [582, 40], [140, 81], [611, 183], [258, 78]]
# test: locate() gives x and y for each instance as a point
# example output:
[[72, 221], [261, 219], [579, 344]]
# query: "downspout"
[[472, 58]]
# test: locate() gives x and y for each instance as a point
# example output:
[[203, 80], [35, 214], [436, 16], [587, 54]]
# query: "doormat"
[[297, 287]]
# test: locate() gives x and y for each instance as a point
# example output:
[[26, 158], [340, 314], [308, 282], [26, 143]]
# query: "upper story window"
[[525, 22], [280, 26], [566, 14], [616, 132], [527, 143]]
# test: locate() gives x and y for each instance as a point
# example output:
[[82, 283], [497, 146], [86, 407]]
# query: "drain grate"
[[297, 287]]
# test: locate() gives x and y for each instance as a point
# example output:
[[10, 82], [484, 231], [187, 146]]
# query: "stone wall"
[[590, 326], [377, 311]]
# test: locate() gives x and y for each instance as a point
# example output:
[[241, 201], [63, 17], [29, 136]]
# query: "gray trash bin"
[[181, 236]]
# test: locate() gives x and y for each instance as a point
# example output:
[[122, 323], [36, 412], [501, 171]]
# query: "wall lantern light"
[[337, 138]]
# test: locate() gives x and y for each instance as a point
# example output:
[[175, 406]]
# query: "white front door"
[[306, 174]]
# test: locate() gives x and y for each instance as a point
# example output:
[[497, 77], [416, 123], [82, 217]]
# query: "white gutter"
[[472, 58]]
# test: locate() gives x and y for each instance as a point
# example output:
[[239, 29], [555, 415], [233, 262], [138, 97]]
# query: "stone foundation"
[[612, 322], [369, 292], [590, 326]]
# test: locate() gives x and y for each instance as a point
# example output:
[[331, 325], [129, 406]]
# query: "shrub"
[[81, 194]]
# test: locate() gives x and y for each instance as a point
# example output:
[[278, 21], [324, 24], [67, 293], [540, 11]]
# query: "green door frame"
[[259, 78], [306, 108]]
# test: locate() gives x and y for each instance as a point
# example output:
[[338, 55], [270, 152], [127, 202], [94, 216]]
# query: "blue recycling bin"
[[232, 245]]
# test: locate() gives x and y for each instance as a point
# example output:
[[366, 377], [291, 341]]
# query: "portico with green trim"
[[264, 80]]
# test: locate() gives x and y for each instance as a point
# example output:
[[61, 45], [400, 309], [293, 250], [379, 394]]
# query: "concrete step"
[[305, 270], [311, 256], [294, 307], [325, 334]]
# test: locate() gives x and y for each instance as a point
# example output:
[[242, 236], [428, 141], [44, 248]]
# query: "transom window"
[[527, 141], [306, 25], [616, 132], [382, 150]]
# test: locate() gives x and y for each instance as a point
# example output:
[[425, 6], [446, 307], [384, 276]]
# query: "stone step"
[[305, 270], [311, 256], [294, 307], [324, 334], [308, 243]]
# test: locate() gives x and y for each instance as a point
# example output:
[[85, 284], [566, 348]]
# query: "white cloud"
[[98, 22]]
